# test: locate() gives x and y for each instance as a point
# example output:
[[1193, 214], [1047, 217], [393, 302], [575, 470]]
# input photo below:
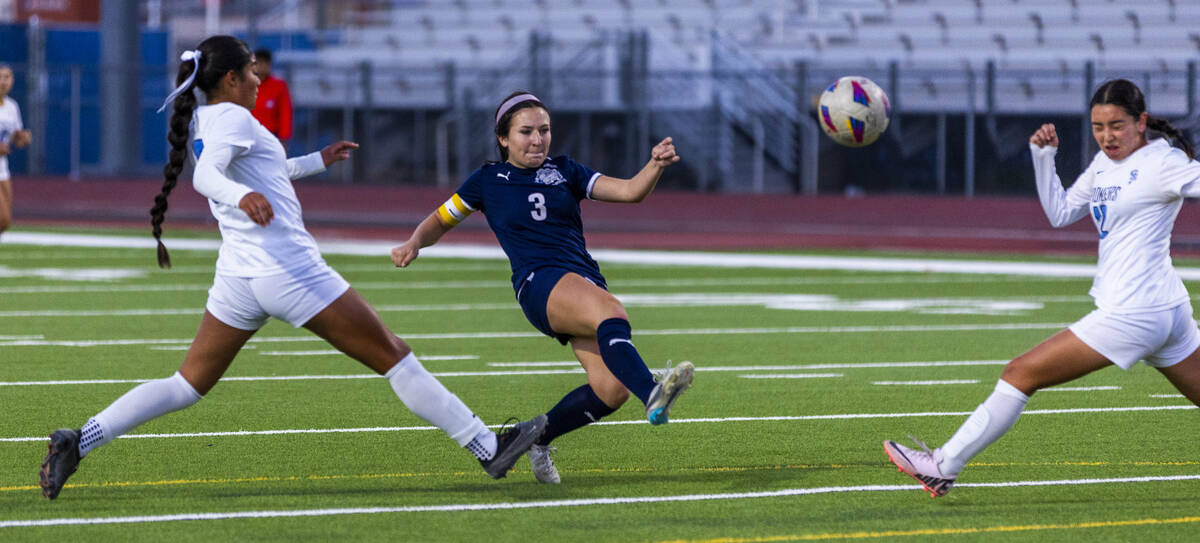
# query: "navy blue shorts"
[[533, 292]]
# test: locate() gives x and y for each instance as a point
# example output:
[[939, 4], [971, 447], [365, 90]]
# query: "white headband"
[[186, 56], [508, 104]]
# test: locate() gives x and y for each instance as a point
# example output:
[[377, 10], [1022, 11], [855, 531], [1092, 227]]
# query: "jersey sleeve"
[[1062, 206], [17, 109], [580, 178], [304, 166], [226, 137], [1180, 175], [233, 127], [209, 177], [468, 199]]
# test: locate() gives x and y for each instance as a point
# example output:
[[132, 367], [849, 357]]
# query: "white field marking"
[[790, 375], [661, 332], [384, 266], [334, 351], [33, 336], [63, 289], [541, 364], [507, 373], [72, 255], [662, 258], [929, 383], [73, 274], [793, 302], [778, 418], [186, 347], [578, 502], [401, 284], [102, 312], [828, 302], [532, 364], [1167, 396], [1078, 389]]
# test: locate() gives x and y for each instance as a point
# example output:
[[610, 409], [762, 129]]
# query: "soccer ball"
[[854, 111]]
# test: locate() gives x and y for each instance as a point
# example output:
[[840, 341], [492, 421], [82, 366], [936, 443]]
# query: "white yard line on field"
[[1079, 389], [791, 375], [404, 283], [545, 504], [573, 364], [567, 363], [929, 383], [512, 335], [662, 258], [712, 420]]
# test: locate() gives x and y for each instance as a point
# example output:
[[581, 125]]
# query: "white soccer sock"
[[427, 398], [990, 420], [483, 445], [146, 401]]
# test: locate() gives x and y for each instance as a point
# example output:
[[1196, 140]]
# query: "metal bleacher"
[[742, 60]]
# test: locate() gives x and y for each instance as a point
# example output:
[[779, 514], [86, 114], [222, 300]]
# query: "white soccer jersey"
[[236, 155], [10, 122], [1134, 203]]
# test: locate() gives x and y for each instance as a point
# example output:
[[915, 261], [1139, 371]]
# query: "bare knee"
[[1018, 374], [4, 223], [611, 392], [611, 309]]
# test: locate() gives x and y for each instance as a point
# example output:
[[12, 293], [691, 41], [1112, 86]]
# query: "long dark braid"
[[219, 55], [1126, 95]]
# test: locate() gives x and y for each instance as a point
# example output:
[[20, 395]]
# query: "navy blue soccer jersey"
[[533, 212]]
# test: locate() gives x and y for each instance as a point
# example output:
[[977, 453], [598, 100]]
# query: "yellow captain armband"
[[454, 210]]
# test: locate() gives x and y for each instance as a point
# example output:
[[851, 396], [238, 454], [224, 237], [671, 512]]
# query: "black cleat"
[[511, 444], [60, 462]]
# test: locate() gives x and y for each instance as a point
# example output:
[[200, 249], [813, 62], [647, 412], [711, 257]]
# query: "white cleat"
[[921, 465], [673, 382], [543, 465]]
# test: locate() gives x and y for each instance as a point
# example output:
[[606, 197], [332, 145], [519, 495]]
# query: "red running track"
[[666, 220]]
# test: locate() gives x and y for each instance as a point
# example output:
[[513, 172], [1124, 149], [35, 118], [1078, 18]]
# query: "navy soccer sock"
[[617, 350], [579, 408]]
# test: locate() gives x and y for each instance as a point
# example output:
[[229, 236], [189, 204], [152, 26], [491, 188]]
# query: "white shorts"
[[296, 297], [1161, 338]]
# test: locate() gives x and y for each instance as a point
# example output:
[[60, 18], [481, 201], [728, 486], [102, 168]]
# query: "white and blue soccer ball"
[[854, 111]]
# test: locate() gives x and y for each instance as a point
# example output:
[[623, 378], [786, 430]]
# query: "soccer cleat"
[[543, 465], [674, 381], [60, 462], [513, 443], [920, 465]]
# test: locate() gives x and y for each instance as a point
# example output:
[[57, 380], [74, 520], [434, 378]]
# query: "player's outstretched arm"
[[427, 233], [612, 189]]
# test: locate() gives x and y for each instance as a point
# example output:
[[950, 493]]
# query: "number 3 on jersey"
[[539, 206], [1100, 213]]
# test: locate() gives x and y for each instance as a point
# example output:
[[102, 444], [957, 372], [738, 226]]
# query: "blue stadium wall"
[[81, 46]]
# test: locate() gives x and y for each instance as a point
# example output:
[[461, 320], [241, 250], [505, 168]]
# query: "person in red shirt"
[[274, 105]]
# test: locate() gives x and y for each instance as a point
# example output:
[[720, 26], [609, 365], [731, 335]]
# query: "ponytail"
[[201, 69], [1174, 135], [181, 117]]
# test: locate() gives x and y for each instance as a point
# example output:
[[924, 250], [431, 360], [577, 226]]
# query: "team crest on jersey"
[[550, 176]]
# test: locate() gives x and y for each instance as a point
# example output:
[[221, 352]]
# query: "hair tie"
[[193, 56], [508, 104]]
